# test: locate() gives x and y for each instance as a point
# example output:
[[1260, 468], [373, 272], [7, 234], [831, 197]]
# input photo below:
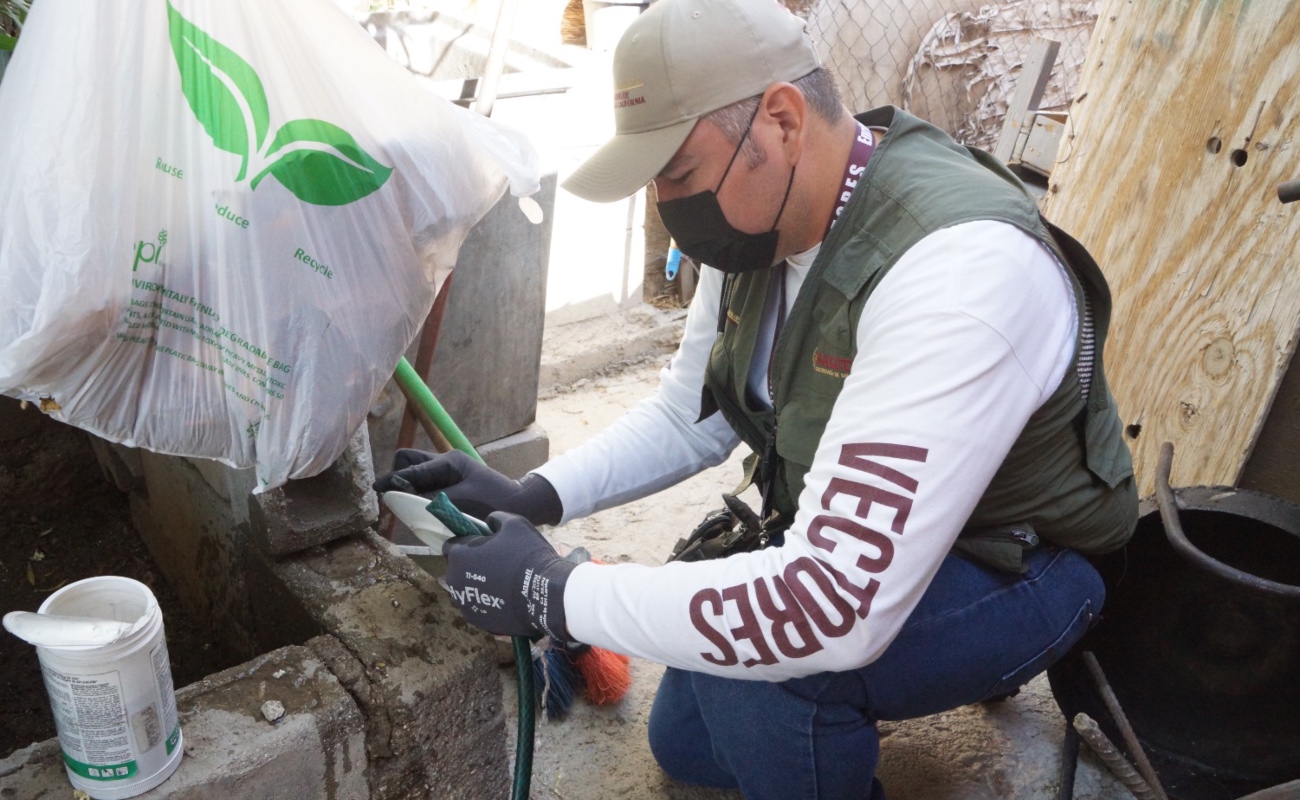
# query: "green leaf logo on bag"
[[316, 160]]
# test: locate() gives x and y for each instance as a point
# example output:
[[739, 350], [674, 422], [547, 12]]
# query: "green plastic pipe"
[[413, 384]]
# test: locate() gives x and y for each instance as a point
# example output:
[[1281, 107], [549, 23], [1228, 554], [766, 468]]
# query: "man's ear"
[[784, 108]]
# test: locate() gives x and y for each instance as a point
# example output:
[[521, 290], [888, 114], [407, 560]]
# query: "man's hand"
[[510, 583], [473, 488]]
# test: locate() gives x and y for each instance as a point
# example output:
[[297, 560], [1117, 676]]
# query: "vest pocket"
[[1108, 457]]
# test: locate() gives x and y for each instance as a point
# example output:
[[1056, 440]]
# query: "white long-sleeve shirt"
[[969, 333]]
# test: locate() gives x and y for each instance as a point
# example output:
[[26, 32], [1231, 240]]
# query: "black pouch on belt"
[[1002, 548], [730, 530]]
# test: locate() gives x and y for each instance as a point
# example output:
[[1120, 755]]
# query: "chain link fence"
[[951, 62]]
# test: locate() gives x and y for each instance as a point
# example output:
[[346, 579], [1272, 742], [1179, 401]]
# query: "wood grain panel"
[[1183, 126]]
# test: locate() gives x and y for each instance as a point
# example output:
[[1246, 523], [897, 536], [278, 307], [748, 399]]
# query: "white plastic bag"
[[220, 223]]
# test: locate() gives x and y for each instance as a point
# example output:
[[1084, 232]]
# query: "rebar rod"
[[1144, 767], [1110, 755]]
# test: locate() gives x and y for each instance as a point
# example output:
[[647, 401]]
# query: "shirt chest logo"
[[832, 365]]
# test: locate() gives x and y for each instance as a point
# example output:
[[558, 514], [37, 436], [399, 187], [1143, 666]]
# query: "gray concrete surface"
[[484, 370], [425, 681], [519, 453], [311, 511], [485, 367], [317, 749], [588, 349]]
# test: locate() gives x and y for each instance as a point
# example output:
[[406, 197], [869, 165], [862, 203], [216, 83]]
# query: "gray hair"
[[819, 90]]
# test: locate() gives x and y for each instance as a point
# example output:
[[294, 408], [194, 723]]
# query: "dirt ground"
[[61, 521]]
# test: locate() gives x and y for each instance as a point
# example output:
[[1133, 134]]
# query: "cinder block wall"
[[302, 565], [212, 538]]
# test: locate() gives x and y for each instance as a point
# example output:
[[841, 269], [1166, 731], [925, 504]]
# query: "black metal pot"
[[1200, 640]]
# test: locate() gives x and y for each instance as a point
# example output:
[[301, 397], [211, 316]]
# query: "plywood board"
[[1183, 126]]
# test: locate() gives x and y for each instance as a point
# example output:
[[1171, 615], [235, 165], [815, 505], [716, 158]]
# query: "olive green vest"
[[1069, 474]]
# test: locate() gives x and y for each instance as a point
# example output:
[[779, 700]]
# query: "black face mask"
[[703, 233]]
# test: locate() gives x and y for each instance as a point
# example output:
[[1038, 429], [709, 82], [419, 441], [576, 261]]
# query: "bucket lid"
[[89, 620], [56, 630]]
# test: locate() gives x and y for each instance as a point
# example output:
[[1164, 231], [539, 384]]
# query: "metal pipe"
[[1125, 729], [496, 58], [413, 414], [1110, 755], [1168, 505], [424, 362], [1069, 763]]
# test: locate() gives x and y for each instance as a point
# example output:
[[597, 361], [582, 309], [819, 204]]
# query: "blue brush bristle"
[[557, 682]]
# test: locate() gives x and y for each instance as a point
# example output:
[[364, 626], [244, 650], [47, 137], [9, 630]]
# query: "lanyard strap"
[[863, 146]]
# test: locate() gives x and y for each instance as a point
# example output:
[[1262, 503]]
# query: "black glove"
[[473, 488], [510, 583]]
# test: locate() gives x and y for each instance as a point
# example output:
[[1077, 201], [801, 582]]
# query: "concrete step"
[[607, 345]]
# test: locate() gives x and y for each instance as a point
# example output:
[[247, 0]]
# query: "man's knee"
[[679, 738], [671, 752]]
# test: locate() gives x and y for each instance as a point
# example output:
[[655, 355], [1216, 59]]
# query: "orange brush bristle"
[[606, 675]]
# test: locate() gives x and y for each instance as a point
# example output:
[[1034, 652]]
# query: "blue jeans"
[[976, 634]]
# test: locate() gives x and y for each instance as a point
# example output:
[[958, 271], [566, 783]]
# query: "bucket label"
[[90, 714], [162, 675], [107, 772], [146, 727]]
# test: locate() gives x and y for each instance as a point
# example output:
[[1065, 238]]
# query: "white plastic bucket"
[[113, 704]]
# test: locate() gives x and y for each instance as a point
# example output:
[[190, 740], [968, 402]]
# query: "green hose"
[[412, 385], [415, 387]]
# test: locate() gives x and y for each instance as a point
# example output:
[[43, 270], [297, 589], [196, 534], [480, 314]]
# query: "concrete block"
[[231, 484], [311, 511], [121, 465], [316, 751], [192, 533], [490, 343], [34, 771], [280, 617], [486, 366], [426, 682], [516, 455]]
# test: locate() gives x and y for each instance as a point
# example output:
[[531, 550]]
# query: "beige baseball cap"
[[680, 60]]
